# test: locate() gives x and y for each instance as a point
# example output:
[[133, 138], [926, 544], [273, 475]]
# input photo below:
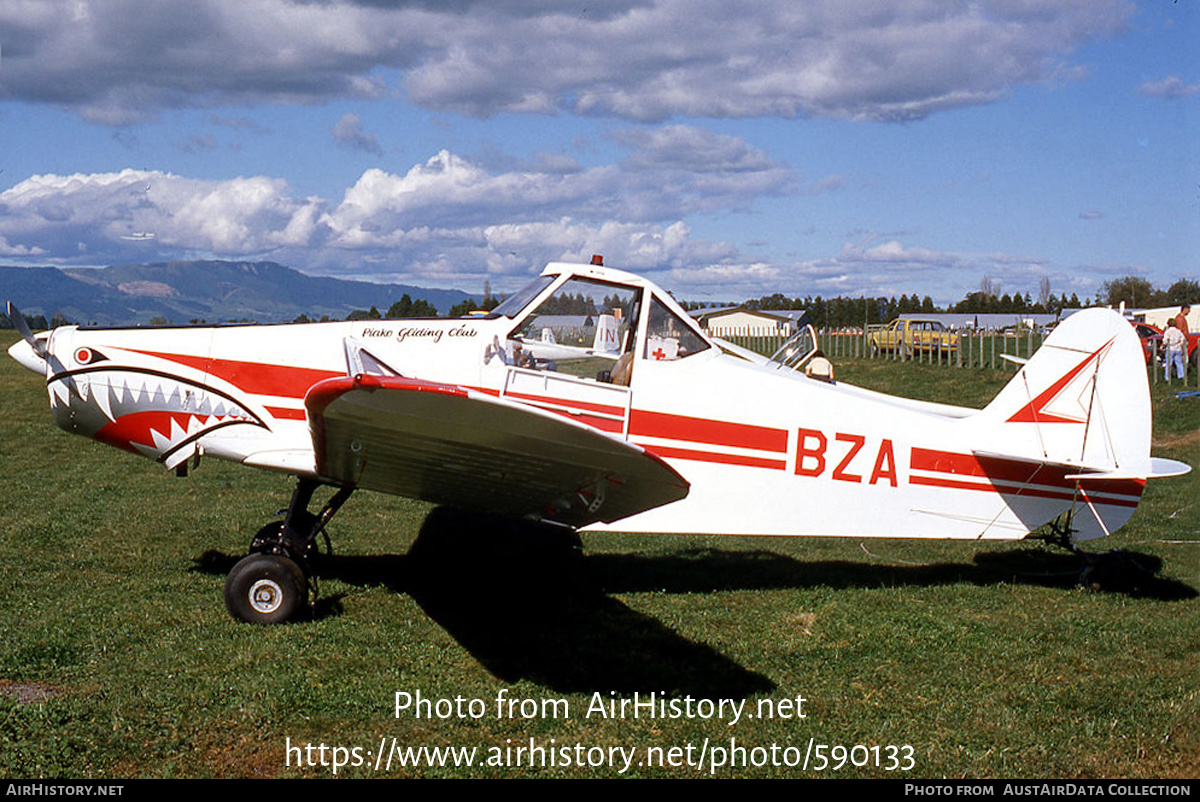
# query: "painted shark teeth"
[[147, 412]]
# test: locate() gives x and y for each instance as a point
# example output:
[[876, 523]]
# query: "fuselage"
[[766, 450]]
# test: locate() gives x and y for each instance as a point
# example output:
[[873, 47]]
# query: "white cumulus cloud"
[[117, 61]]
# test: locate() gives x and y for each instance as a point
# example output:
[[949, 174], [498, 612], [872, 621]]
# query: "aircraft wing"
[[452, 445]]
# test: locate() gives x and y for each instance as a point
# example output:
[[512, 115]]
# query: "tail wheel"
[[265, 589]]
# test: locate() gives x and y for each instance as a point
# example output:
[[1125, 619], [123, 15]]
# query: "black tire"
[[265, 589]]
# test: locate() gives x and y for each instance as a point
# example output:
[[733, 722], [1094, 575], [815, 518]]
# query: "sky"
[[723, 150]]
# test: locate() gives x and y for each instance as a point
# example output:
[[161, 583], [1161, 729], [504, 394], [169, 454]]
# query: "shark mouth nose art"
[[141, 411]]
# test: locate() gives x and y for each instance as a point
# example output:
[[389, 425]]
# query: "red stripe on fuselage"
[[607, 409], [708, 432], [712, 456], [253, 377]]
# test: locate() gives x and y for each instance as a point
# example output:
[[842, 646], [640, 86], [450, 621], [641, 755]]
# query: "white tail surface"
[[608, 338], [1082, 399], [1081, 407]]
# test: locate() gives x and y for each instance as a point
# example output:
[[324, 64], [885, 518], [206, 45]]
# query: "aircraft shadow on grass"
[[528, 604]]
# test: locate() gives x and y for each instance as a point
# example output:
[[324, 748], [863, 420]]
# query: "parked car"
[[1151, 337], [909, 336]]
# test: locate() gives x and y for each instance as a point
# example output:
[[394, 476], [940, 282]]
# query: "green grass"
[[117, 658]]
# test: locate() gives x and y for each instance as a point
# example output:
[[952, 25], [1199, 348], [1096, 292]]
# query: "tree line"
[[839, 311], [842, 311]]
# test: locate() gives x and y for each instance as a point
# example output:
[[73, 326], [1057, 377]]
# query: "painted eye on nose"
[[85, 356]]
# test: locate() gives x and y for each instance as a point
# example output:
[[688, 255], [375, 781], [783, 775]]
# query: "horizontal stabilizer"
[[1080, 469], [1156, 468]]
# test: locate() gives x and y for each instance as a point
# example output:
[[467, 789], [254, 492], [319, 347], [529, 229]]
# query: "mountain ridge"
[[208, 290]]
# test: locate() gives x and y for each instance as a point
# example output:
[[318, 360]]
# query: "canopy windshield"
[[798, 348], [514, 303]]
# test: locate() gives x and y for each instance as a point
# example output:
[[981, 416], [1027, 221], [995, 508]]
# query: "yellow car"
[[910, 336]]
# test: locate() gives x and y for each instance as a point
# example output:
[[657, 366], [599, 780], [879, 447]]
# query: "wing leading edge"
[[452, 445]]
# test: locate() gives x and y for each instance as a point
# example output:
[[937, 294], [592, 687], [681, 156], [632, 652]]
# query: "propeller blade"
[[18, 320]]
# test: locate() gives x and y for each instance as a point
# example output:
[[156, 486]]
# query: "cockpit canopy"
[[581, 319]]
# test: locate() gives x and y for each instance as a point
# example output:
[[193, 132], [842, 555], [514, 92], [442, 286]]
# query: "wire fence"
[[973, 349]]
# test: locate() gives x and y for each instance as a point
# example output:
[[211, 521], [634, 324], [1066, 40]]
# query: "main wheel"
[[265, 589]]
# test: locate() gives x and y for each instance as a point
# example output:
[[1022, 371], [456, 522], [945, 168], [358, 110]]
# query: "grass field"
[[118, 660]]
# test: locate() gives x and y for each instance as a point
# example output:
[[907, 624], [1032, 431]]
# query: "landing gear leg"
[[1115, 569], [1060, 531], [273, 583]]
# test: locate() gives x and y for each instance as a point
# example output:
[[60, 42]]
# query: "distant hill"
[[214, 291]]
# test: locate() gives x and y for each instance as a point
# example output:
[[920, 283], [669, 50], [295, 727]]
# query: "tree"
[[407, 307], [1134, 291], [1044, 294], [359, 314], [1183, 291], [464, 308]]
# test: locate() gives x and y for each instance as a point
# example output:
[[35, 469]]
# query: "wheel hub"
[[266, 596]]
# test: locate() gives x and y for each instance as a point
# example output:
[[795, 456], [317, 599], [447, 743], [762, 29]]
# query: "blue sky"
[[725, 150]]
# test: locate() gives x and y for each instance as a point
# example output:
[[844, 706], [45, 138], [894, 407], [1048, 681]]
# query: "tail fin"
[[1082, 399], [1081, 405], [607, 339]]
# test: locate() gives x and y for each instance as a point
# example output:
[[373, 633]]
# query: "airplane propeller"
[[18, 320], [38, 356]]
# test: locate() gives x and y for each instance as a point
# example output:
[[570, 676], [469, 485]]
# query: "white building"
[[752, 322]]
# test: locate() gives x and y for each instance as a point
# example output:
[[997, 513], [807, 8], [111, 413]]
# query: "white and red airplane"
[[591, 400]]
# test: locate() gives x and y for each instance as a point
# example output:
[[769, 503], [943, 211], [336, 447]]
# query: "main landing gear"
[[272, 584]]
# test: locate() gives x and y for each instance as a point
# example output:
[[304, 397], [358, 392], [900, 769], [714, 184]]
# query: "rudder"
[[1081, 405]]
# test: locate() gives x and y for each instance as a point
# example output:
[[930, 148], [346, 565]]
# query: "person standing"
[[1181, 323], [1176, 344], [1181, 320]]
